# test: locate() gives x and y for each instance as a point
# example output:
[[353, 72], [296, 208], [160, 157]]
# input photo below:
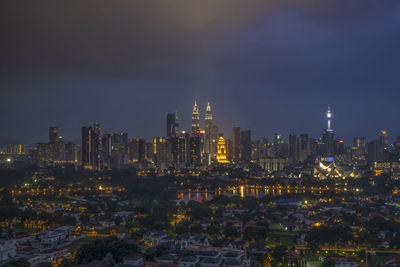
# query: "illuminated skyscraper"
[[211, 133], [96, 146], [221, 151], [87, 153], [161, 152], [195, 119], [56, 145], [209, 129], [107, 150], [137, 149], [328, 137], [358, 151], [91, 147], [195, 157], [183, 149], [208, 117], [383, 146]]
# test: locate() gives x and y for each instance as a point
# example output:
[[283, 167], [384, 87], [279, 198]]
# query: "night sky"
[[271, 66]]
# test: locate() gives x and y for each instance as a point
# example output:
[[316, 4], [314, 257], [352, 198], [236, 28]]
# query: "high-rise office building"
[[383, 138], [172, 125], [256, 148], [245, 152], [236, 143], [279, 147], [161, 152], [358, 151], [183, 149], [91, 147], [383, 149], [53, 135], [396, 146], [149, 152], [87, 153], [373, 148], [70, 155], [195, 150], [137, 149], [56, 145], [107, 150], [195, 119], [305, 147], [294, 149], [228, 143], [96, 146]]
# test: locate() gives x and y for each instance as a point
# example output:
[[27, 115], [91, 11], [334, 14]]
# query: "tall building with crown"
[[208, 129], [221, 151], [195, 119], [211, 133]]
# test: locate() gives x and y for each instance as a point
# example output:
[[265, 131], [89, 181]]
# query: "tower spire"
[[329, 116], [195, 119], [208, 116]]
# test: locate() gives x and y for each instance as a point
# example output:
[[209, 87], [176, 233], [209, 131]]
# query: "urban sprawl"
[[200, 198]]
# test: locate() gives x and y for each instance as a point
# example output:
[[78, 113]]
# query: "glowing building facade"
[[221, 151]]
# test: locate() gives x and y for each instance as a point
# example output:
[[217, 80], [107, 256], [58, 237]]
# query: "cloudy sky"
[[270, 66]]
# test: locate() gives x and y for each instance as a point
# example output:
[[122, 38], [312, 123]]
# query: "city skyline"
[[270, 66], [176, 126], [201, 133]]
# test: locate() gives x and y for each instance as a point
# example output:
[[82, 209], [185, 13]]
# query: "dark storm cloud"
[[267, 65]]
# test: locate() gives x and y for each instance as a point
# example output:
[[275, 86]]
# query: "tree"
[[196, 228], [278, 252], [261, 233], [182, 228], [85, 219], [69, 220], [99, 248], [109, 260], [198, 211], [231, 231], [214, 229], [17, 263], [67, 263], [332, 235], [249, 233], [118, 220]]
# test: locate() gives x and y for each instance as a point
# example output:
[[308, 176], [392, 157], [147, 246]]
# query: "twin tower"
[[210, 129], [196, 118]]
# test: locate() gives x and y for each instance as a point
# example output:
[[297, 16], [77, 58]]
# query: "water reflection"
[[242, 191]]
